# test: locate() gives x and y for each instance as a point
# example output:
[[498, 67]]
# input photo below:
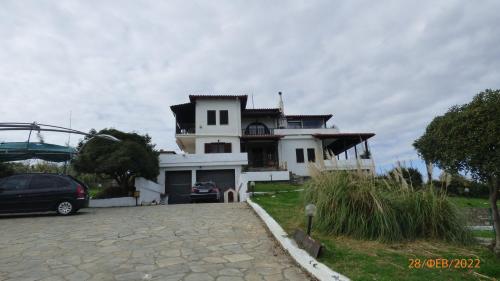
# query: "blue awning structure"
[[15, 151]]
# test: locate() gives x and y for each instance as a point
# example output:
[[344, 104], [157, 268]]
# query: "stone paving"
[[220, 242]]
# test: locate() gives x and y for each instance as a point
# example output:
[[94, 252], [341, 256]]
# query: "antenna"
[[253, 105], [69, 134]]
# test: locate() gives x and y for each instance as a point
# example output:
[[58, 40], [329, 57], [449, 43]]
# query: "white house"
[[224, 141]]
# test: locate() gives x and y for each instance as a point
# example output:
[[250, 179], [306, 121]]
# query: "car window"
[[43, 182], [62, 182], [15, 182]]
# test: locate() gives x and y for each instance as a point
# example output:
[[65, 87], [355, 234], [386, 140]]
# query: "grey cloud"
[[385, 66]]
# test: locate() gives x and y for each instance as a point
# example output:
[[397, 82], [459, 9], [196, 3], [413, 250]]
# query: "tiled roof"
[[249, 112], [243, 98], [324, 116]]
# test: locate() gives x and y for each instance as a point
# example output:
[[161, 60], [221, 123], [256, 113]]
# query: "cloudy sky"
[[380, 66]]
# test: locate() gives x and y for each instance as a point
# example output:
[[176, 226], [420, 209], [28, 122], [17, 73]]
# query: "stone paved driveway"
[[177, 242]]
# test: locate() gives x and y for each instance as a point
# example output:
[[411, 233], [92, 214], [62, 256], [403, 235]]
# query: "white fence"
[[112, 202], [150, 192], [247, 177]]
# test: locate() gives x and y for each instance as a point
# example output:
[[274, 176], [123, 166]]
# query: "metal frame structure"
[[18, 126]]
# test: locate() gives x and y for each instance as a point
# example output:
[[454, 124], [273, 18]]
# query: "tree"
[[410, 175], [133, 156], [467, 139]]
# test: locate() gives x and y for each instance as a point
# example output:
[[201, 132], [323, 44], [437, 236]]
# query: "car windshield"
[[204, 185]]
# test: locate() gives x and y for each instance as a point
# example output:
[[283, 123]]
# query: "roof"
[[341, 142], [363, 136], [243, 98], [261, 111], [322, 116]]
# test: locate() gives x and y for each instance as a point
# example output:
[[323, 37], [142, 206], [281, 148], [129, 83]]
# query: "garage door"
[[223, 178], [178, 186]]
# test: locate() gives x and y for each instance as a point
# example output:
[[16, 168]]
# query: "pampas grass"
[[358, 205]]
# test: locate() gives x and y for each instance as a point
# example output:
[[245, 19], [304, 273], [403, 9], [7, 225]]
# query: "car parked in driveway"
[[42, 192], [205, 191]]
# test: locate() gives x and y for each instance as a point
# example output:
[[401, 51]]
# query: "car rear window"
[[204, 185]]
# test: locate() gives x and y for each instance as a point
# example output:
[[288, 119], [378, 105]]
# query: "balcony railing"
[[258, 132], [185, 129]]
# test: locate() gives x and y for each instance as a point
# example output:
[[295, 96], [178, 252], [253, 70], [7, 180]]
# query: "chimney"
[[281, 106]]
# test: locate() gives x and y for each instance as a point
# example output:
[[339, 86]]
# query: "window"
[[15, 182], [257, 129], [312, 123], [294, 125], [211, 117], [43, 182], [223, 117], [218, 147], [299, 154], [311, 155]]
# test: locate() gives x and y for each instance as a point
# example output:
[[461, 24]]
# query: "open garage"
[[224, 179], [178, 183]]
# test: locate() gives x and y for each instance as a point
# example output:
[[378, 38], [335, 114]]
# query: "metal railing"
[[258, 132]]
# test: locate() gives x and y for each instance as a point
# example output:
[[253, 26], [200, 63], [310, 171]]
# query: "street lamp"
[[101, 136], [310, 212]]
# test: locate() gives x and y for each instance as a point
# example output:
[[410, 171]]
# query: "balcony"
[[185, 129], [306, 131], [212, 159], [261, 131], [350, 164]]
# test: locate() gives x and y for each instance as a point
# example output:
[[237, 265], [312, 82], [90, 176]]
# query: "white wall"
[[149, 191], [286, 150], [267, 176], [112, 202], [234, 114]]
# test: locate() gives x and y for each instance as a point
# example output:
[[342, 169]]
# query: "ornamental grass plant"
[[359, 205]]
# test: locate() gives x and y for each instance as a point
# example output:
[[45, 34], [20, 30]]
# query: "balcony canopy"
[[341, 142], [15, 151]]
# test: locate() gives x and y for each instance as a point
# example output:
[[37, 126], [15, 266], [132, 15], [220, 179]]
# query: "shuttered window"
[[223, 117], [299, 154], [218, 147], [211, 117], [311, 155]]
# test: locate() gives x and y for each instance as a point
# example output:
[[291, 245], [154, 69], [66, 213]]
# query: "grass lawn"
[[372, 260], [275, 186], [472, 202], [484, 233]]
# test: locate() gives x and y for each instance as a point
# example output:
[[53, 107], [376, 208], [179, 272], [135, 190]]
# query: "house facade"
[[224, 141]]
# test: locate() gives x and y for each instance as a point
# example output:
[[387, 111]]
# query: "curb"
[[311, 265]]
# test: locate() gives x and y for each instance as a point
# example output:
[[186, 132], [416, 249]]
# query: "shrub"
[[353, 204]]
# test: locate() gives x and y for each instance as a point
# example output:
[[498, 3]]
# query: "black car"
[[205, 191], [42, 192]]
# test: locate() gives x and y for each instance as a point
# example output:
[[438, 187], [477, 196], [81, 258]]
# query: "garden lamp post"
[[310, 212], [252, 187]]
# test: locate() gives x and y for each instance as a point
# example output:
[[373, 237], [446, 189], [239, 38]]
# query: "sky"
[[387, 67]]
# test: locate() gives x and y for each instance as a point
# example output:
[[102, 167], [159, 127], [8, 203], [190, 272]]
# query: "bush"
[[111, 192], [411, 175], [360, 206], [458, 184]]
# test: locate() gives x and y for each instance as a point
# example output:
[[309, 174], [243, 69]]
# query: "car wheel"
[[65, 208]]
